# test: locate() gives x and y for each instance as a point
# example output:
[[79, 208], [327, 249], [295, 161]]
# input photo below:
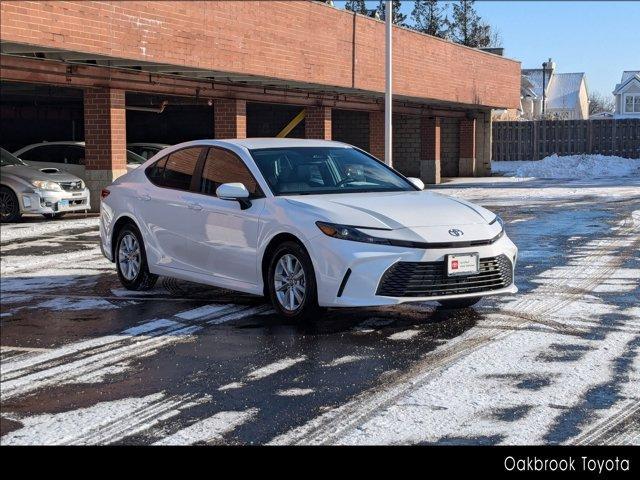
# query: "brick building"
[[98, 70]]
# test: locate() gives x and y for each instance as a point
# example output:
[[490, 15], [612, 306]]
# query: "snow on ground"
[[43, 228], [570, 166]]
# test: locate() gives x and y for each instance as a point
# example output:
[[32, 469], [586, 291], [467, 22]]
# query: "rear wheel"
[[291, 283], [131, 260], [459, 303], [9, 207]]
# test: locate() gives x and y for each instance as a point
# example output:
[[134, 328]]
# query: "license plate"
[[463, 264], [62, 204]]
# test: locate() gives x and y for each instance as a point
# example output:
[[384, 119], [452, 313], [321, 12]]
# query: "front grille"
[[71, 186], [429, 279]]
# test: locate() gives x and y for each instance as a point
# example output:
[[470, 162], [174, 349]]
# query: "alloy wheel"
[[129, 257], [7, 205], [290, 282]]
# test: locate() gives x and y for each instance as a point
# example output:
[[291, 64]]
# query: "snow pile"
[[572, 166]]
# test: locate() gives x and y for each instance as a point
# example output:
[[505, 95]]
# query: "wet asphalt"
[[332, 359]]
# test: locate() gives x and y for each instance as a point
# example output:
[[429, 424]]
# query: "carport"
[[160, 80]]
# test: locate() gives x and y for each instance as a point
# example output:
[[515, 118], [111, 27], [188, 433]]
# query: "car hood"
[[394, 210], [29, 173]]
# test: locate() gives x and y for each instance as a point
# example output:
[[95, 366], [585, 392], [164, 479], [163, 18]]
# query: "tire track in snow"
[[603, 258], [93, 359], [103, 423], [210, 429]]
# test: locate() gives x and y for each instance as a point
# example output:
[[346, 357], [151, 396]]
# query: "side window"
[[74, 155], [223, 166], [176, 170]]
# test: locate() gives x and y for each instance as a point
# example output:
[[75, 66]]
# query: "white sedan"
[[308, 223]]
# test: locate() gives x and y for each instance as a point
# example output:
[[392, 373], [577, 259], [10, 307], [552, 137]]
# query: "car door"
[[165, 208], [227, 234]]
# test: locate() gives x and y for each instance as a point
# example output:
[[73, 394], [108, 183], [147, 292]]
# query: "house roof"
[[562, 89], [627, 77]]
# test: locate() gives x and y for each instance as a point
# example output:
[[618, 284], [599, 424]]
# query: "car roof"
[[148, 144], [254, 143]]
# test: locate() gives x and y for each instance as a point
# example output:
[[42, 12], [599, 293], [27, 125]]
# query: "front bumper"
[[45, 201], [332, 258]]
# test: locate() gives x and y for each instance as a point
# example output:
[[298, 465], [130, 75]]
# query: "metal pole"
[[388, 18], [544, 87]]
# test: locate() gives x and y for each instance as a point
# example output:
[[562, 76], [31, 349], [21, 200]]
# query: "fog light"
[[26, 201]]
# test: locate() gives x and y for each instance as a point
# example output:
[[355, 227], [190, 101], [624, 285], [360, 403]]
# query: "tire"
[[53, 216], [9, 206], [459, 303], [134, 275], [285, 287]]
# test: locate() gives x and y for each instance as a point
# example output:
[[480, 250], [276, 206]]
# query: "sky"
[[600, 38]]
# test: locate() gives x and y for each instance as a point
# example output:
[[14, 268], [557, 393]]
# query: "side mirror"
[[234, 191], [416, 182]]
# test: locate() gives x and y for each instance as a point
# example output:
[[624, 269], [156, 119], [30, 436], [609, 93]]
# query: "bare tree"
[[599, 103]]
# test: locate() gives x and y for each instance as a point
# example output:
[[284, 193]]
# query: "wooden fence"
[[537, 139]]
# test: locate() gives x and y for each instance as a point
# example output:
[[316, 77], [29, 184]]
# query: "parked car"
[[308, 223], [146, 150], [64, 156], [26, 190]]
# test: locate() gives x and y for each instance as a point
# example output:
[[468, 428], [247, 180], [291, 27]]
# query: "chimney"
[[549, 66]]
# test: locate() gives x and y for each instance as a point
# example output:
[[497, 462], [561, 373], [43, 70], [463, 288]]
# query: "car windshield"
[[135, 158], [324, 170], [7, 158]]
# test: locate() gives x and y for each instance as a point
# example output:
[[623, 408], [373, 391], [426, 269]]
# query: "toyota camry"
[[310, 224]]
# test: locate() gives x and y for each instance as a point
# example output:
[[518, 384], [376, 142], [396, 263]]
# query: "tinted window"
[[223, 166], [317, 170], [73, 155], [176, 170]]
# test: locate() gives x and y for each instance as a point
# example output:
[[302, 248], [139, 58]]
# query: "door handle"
[[144, 197], [195, 206]]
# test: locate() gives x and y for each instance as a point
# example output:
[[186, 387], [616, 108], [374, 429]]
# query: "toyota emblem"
[[454, 232]]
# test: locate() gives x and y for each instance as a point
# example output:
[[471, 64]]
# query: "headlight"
[[500, 222], [346, 232], [46, 185]]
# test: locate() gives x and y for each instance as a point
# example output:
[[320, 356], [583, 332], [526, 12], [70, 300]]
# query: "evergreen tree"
[[358, 6], [468, 28], [398, 16], [429, 16]]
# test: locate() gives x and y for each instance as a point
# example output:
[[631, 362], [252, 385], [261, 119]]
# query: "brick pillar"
[[317, 123], [230, 118], [467, 165], [483, 144], [430, 150], [105, 135], [376, 134]]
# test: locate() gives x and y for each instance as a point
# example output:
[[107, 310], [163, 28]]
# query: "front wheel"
[[131, 261], [459, 303], [9, 208], [292, 284]]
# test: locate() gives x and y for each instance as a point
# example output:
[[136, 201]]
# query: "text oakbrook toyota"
[[308, 223]]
